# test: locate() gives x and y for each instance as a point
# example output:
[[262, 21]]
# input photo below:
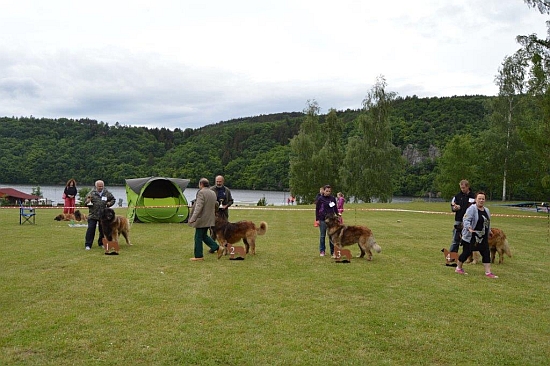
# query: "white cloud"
[[190, 63]]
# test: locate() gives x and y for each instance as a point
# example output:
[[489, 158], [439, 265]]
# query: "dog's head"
[[78, 215], [219, 216], [108, 214], [59, 217], [332, 220]]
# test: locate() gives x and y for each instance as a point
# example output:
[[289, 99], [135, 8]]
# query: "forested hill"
[[252, 152]]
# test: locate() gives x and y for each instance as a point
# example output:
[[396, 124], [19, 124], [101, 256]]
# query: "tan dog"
[[343, 235], [497, 243], [113, 225], [226, 232], [79, 216], [64, 217]]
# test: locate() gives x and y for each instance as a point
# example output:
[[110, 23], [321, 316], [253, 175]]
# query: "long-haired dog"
[[232, 232], [497, 243], [343, 235], [113, 225], [79, 216], [64, 217]]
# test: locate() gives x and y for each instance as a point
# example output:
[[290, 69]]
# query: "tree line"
[[431, 143]]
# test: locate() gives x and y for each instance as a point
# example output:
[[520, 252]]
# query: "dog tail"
[[374, 245], [262, 229], [506, 248]]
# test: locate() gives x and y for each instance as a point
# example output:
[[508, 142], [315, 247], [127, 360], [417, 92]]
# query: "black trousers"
[[482, 247], [90, 232]]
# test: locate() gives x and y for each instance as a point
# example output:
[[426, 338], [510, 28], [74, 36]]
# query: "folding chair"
[[26, 214]]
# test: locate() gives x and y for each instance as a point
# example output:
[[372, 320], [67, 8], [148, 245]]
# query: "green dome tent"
[[157, 199]]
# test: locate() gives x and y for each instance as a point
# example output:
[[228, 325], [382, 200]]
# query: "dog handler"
[[475, 235], [326, 204], [202, 218], [459, 205], [98, 199]]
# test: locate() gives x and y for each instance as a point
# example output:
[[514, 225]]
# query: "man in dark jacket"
[[459, 205], [98, 199], [223, 196]]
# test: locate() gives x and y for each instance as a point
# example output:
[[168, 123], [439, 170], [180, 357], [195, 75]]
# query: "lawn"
[[150, 305]]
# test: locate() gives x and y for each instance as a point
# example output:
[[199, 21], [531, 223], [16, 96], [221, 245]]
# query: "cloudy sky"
[[186, 64]]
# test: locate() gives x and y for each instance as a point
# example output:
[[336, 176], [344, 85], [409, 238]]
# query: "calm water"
[[54, 193]]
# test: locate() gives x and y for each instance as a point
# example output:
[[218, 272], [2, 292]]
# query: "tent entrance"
[[157, 199]]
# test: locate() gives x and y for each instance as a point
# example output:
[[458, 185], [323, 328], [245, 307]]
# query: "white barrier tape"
[[275, 208]]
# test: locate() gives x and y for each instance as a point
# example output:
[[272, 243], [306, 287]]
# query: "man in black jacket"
[[459, 204]]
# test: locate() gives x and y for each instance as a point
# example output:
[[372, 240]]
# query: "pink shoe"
[[322, 254], [460, 271], [490, 275]]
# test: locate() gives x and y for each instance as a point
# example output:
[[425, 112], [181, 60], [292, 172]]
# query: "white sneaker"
[[88, 248], [322, 254]]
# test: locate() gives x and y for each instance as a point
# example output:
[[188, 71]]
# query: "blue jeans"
[[456, 238], [323, 232]]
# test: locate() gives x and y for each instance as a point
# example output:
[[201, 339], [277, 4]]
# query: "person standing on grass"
[[340, 200], [459, 205], [224, 198], [97, 200], [69, 197], [325, 205], [202, 218], [475, 235]]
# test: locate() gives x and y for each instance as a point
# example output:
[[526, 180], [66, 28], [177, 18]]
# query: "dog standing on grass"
[[113, 225], [343, 235], [497, 243], [228, 232]]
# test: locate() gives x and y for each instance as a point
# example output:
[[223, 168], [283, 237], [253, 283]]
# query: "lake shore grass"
[[150, 305]]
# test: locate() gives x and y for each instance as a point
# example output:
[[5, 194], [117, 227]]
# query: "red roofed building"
[[14, 196]]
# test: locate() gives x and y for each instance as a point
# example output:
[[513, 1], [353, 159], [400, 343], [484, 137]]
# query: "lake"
[[240, 196]]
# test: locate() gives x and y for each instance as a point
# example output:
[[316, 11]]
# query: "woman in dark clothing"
[[69, 196]]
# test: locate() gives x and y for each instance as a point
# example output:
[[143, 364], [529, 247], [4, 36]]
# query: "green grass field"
[[62, 305]]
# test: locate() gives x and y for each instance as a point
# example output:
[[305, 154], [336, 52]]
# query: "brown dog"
[[497, 243], [113, 225], [64, 217], [343, 235], [79, 216], [226, 232]]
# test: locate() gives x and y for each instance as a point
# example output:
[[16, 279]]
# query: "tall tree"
[[371, 159], [331, 154], [510, 81], [304, 177], [535, 52]]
